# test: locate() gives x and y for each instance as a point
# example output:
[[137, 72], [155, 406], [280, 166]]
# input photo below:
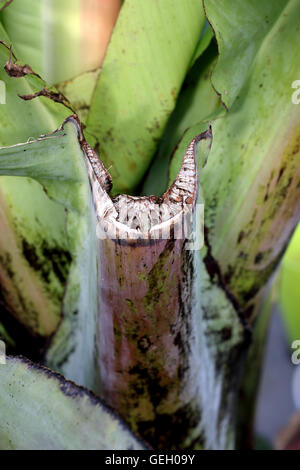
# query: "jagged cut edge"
[[125, 216]]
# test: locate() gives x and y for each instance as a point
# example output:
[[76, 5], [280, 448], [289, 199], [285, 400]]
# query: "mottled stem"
[[171, 338], [147, 344]]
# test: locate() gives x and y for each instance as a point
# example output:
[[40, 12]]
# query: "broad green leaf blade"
[[61, 39], [57, 163], [69, 244], [196, 102], [47, 161], [251, 180], [289, 287], [35, 257], [19, 119], [240, 28], [34, 253], [40, 410], [147, 59]]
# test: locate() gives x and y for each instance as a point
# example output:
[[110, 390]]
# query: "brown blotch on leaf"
[[12, 68], [17, 71], [241, 236], [259, 257]]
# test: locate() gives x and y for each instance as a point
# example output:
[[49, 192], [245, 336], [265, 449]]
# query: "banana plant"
[[192, 107]]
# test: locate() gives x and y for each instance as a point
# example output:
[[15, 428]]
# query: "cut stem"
[[147, 346]]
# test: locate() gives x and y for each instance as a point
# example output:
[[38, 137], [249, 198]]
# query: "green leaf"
[[251, 177], [147, 59], [241, 29], [289, 287], [196, 103], [32, 226], [58, 38], [34, 256], [46, 160], [19, 119], [40, 410], [56, 162]]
